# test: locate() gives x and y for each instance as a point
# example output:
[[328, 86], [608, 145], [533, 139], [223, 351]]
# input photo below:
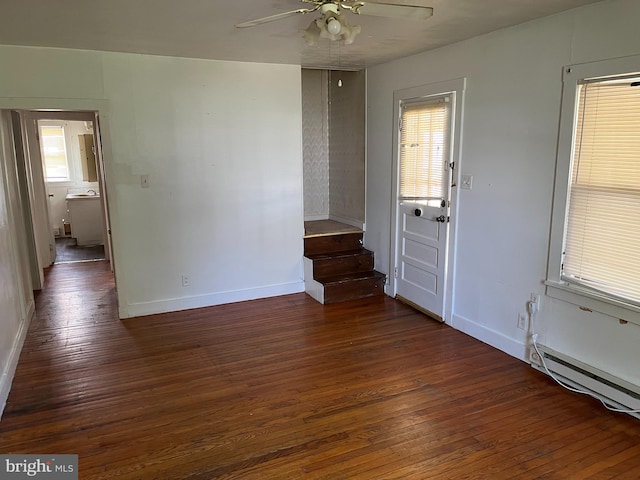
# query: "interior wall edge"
[[9, 372]]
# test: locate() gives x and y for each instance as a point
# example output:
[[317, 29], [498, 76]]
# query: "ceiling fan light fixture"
[[311, 34], [332, 26], [349, 32]]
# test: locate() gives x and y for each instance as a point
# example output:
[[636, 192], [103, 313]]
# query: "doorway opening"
[[68, 151], [65, 191]]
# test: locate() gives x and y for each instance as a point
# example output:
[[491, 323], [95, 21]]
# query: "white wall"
[[16, 296], [221, 144], [510, 129]]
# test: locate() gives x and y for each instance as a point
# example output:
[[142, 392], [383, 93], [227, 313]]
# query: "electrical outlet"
[[522, 320], [186, 281], [535, 358], [535, 297]]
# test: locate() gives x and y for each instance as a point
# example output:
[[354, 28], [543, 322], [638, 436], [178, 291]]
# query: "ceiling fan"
[[332, 24]]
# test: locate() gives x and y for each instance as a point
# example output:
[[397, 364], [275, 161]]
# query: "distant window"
[[55, 154]]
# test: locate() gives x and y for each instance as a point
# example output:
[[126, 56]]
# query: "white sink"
[[78, 196]]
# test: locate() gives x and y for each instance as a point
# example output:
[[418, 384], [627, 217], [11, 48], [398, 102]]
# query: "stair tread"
[[347, 277], [339, 254]]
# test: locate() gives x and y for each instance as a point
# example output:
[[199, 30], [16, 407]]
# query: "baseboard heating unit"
[[614, 391]]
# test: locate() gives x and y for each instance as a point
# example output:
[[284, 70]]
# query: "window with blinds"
[[55, 153], [602, 231], [424, 140]]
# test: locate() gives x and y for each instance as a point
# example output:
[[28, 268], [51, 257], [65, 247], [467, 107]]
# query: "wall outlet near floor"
[[534, 358], [522, 321], [186, 281]]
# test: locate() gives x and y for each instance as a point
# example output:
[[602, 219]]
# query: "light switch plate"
[[467, 182]]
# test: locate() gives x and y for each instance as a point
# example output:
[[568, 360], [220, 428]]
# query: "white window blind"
[[602, 236], [55, 153], [423, 149]]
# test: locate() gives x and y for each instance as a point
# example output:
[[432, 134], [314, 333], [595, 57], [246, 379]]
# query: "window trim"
[[556, 287]]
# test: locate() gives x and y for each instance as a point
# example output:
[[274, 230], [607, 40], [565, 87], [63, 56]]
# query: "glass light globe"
[[334, 27]]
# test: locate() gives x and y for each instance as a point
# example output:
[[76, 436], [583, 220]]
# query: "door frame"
[[457, 88], [78, 116], [99, 110]]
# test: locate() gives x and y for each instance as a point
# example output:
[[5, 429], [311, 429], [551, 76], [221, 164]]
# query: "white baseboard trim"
[[491, 337], [9, 372], [208, 300]]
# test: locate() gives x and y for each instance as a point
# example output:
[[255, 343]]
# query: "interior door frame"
[[82, 116], [457, 88], [98, 109]]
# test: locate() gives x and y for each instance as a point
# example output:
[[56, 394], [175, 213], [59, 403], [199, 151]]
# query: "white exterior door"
[[422, 208], [422, 256]]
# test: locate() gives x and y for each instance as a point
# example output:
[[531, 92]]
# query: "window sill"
[[593, 301]]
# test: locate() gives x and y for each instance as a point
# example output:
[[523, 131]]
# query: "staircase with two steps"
[[336, 266]]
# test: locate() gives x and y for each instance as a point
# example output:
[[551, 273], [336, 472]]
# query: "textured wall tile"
[[346, 145]]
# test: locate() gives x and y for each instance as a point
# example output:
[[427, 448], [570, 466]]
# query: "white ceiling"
[[205, 28]]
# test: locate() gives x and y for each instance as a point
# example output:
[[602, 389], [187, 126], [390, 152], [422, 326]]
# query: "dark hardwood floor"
[[68, 250], [286, 388]]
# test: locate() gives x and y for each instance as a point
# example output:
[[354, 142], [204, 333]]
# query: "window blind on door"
[[601, 249], [423, 148]]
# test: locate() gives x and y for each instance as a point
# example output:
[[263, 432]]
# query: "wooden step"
[[349, 286], [326, 264], [332, 243]]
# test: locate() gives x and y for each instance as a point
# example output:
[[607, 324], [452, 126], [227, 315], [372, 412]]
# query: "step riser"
[[342, 271], [332, 243], [334, 266], [366, 287]]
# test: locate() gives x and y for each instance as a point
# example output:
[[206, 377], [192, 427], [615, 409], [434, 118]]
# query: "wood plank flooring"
[[286, 388]]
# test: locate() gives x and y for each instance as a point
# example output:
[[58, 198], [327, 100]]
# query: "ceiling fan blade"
[[273, 18], [391, 10]]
